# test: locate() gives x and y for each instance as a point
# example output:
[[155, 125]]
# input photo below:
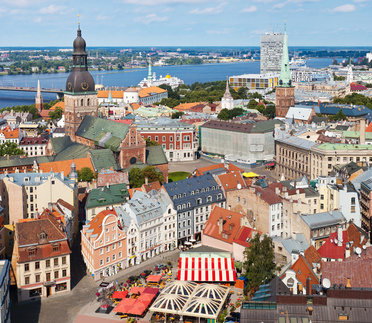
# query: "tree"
[[152, 175], [340, 115], [136, 178], [252, 104], [85, 174], [10, 149], [56, 114], [150, 143], [269, 111], [259, 264], [177, 114], [224, 114]]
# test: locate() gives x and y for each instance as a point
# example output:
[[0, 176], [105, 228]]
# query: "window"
[[64, 273], [156, 138], [27, 267], [37, 265], [101, 262], [163, 138], [101, 251], [113, 257], [119, 254], [170, 138], [27, 280], [55, 248], [37, 278], [108, 249], [47, 277], [56, 274], [114, 246], [63, 260], [107, 259], [55, 261], [321, 206], [47, 263]]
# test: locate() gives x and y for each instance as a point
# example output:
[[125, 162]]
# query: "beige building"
[[41, 258], [33, 193], [336, 89]]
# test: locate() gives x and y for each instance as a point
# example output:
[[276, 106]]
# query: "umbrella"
[[192, 240], [188, 243]]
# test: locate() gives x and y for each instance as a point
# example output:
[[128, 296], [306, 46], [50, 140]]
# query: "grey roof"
[[155, 155], [365, 176], [252, 127], [162, 123], [181, 191], [35, 179], [298, 245], [298, 142], [16, 161], [320, 220]]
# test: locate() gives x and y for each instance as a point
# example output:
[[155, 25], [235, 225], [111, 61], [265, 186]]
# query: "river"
[[188, 73]]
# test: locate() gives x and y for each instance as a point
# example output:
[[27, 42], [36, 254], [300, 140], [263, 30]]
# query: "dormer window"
[[56, 248]]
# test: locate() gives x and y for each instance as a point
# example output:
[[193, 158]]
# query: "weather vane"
[[79, 19]]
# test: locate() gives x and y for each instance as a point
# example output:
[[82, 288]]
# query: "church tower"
[[38, 98], [149, 77], [285, 92], [80, 94], [227, 101]]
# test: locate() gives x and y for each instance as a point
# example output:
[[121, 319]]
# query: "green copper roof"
[[103, 159], [356, 134], [155, 155], [112, 195], [285, 73]]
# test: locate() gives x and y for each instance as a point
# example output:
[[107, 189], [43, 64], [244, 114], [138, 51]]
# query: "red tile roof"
[[96, 223], [9, 133], [357, 269], [303, 270], [354, 235], [331, 250], [231, 168], [244, 235], [151, 186], [231, 181], [65, 165], [114, 94], [312, 256], [230, 224], [268, 195], [357, 87], [33, 141]]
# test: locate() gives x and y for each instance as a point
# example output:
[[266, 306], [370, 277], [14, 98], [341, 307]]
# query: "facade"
[[261, 83], [193, 199], [33, 146], [80, 95], [271, 52], [41, 258], [177, 139], [249, 142], [104, 245], [152, 94], [7, 134], [366, 204], [33, 193], [150, 222], [5, 291]]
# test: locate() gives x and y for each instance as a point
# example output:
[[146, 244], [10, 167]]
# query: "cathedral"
[[80, 95]]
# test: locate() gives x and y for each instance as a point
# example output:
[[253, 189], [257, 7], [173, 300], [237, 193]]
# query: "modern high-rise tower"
[[271, 52], [285, 92], [80, 94], [38, 98]]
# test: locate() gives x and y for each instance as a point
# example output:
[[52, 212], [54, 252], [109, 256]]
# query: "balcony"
[[49, 283]]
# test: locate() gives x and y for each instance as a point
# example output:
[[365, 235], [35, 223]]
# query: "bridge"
[[8, 87]]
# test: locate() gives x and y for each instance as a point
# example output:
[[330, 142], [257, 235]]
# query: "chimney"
[[62, 175], [277, 190], [294, 235], [308, 286], [348, 284], [146, 180], [300, 288], [339, 235], [286, 195], [362, 139], [220, 225], [298, 193]]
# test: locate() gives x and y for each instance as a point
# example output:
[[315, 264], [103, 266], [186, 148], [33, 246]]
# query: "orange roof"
[[58, 105], [9, 133], [135, 106], [185, 106], [96, 222], [369, 128], [65, 165], [114, 94], [202, 170], [312, 256], [151, 186], [230, 224], [231, 181], [131, 191], [303, 270], [148, 90]]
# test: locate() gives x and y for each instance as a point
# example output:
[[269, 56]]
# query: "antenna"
[[358, 251], [364, 246], [239, 186], [326, 283]]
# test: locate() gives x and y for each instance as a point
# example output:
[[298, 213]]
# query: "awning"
[[119, 294], [203, 269], [250, 174], [154, 278]]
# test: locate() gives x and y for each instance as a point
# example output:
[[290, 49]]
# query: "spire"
[[38, 88], [285, 73], [149, 77], [38, 97], [109, 96], [227, 94]]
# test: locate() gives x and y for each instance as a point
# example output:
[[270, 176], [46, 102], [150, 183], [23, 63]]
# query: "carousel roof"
[[170, 302], [180, 288]]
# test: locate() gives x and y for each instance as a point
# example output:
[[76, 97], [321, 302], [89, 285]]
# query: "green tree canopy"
[[85, 174], [259, 264], [10, 149], [340, 115], [177, 114], [137, 176], [150, 143], [56, 114]]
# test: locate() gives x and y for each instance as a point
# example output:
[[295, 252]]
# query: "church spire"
[[149, 77], [227, 92], [38, 97], [285, 73]]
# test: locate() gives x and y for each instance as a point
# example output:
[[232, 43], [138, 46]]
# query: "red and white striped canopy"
[[204, 269]]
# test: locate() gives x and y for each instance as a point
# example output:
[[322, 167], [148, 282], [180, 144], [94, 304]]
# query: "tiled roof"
[[357, 269], [58, 105], [33, 141], [231, 181], [312, 256], [9, 133], [268, 195], [96, 223], [114, 94], [28, 235], [357, 236], [65, 204], [114, 194], [331, 250], [244, 235], [65, 165], [357, 87], [217, 169], [230, 224], [151, 186], [147, 91], [155, 156], [185, 106], [303, 270]]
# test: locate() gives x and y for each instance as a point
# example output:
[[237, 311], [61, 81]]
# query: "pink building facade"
[[104, 245]]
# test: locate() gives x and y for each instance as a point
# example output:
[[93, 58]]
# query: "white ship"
[[297, 63]]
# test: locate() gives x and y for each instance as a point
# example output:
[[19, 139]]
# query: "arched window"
[[82, 102], [88, 102]]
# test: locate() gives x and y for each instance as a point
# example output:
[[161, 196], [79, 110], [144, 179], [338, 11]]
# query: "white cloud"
[[37, 19], [344, 8], [297, 2], [52, 9], [208, 11], [250, 9], [22, 3], [153, 17], [280, 5], [160, 2]]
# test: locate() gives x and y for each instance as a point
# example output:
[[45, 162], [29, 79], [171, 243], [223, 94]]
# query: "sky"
[[126, 23]]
